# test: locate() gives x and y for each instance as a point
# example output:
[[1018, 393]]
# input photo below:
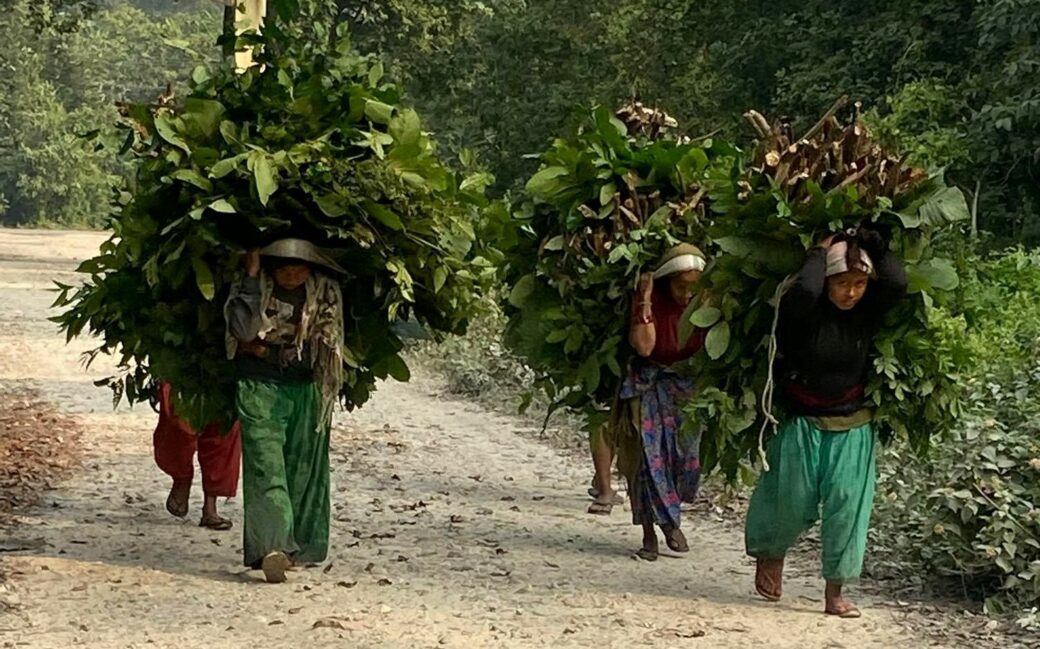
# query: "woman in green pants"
[[822, 459], [285, 332]]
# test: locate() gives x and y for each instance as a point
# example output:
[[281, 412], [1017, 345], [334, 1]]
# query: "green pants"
[[285, 471], [812, 469]]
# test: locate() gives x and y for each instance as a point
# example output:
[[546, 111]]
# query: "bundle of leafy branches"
[[768, 208], [311, 143], [607, 202]]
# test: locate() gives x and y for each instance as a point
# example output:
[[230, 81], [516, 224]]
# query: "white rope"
[[767, 391]]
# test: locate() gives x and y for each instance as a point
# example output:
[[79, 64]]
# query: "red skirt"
[[176, 443]]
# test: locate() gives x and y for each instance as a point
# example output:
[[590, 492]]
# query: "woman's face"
[[846, 289], [292, 275], [681, 285]]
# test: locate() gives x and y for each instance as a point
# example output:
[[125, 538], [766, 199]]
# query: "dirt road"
[[450, 530]]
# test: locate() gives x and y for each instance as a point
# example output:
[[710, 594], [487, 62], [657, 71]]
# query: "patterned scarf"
[[320, 330]]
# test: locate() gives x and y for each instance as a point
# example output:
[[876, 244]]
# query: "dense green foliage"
[[606, 203], [968, 512], [310, 143], [67, 76], [501, 77]]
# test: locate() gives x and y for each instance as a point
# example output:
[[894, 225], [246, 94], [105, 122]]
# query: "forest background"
[[953, 84]]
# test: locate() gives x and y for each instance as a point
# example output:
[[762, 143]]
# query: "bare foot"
[[769, 578]]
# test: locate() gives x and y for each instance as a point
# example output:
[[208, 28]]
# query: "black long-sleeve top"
[[824, 349]]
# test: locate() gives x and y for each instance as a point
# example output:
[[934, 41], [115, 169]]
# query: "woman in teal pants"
[[822, 459]]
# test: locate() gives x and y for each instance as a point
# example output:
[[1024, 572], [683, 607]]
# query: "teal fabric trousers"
[[814, 471], [285, 471]]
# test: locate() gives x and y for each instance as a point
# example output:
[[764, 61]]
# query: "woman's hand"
[[252, 262], [826, 243]]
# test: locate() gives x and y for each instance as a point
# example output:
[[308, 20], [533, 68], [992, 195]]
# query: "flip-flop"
[[216, 523], [616, 499], [772, 597], [680, 545], [274, 566], [601, 509], [178, 509], [849, 613], [646, 555]]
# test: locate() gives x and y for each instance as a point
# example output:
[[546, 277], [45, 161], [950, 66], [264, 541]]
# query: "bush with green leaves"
[[768, 207], [606, 203], [310, 142], [968, 512]]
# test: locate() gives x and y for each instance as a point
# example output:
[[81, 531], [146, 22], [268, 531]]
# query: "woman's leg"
[[220, 458], [263, 410], [307, 469], [785, 502], [847, 481], [174, 448]]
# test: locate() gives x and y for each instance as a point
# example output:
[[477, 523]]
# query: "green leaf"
[[333, 205], [556, 243], [375, 74], [384, 215], [440, 276], [522, 290], [378, 112], [192, 177], [394, 367], [717, 341], [266, 177], [947, 206], [607, 193], [932, 274], [203, 278], [225, 166], [545, 182], [558, 336], [406, 128], [705, 316], [221, 205], [164, 125]]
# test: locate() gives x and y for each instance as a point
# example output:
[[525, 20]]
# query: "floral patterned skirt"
[[662, 465]]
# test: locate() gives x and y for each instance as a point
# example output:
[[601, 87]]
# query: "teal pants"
[[285, 471], [814, 471]]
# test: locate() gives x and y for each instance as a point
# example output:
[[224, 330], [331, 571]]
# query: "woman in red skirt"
[[220, 453]]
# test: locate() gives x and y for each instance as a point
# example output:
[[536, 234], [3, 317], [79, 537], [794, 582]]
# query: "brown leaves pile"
[[37, 448]]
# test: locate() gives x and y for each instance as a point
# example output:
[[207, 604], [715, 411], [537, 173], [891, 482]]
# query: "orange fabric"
[[175, 445]]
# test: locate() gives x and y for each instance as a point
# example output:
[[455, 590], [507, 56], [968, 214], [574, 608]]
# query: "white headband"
[[680, 264], [838, 263]]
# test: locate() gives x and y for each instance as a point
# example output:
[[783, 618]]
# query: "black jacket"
[[825, 350]]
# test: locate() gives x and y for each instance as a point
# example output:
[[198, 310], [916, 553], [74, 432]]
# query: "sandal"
[[600, 509], [616, 499], [176, 507], [216, 523], [274, 566], [846, 612], [646, 555], [676, 540], [768, 585]]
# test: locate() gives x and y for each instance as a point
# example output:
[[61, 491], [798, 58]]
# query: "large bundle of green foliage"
[[310, 142], [768, 207], [607, 202]]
